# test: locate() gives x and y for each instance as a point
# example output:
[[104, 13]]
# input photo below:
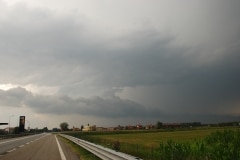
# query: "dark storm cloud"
[[185, 85], [199, 78], [61, 105]]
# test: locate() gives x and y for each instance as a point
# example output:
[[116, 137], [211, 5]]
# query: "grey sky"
[[119, 62]]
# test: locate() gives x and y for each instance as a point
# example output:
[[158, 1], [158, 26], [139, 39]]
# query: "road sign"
[[21, 123], [3, 123]]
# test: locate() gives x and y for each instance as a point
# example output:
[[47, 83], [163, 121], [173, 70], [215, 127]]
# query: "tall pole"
[[9, 123], [28, 125]]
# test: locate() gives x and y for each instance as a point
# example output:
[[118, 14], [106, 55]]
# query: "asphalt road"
[[37, 147]]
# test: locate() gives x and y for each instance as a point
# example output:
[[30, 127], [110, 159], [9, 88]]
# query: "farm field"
[[153, 139], [198, 143]]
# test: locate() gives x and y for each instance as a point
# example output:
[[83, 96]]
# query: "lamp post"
[[9, 123], [28, 125]]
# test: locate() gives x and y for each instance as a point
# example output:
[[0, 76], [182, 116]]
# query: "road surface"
[[37, 147]]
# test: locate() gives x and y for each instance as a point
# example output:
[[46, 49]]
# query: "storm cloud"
[[159, 60], [61, 104]]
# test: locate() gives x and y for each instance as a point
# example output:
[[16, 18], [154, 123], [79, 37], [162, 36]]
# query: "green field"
[[155, 138], [198, 143]]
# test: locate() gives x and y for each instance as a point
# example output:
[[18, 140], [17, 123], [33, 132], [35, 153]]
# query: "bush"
[[116, 146]]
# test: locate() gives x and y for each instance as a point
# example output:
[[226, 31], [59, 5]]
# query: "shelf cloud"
[[145, 61]]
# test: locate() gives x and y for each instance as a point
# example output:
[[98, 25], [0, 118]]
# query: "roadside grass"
[[83, 154]]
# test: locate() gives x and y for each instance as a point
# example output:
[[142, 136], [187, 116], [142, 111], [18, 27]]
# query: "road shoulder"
[[68, 150]]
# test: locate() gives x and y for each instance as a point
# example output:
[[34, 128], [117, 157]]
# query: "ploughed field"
[[196, 143]]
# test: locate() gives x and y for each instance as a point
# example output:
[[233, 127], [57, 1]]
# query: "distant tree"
[[45, 129], [16, 130], [33, 130], [82, 127], [159, 125], [64, 126], [2, 131], [55, 130]]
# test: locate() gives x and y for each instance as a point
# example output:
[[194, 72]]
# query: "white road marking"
[[60, 150], [11, 150], [21, 146]]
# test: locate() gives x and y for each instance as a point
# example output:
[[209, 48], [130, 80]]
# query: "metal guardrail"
[[100, 151]]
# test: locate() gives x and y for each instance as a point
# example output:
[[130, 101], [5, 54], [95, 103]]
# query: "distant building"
[[76, 129], [130, 127], [101, 129], [171, 125], [149, 126], [111, 128], [89, 128], [139, 126]]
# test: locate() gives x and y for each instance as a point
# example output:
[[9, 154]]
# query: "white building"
[[89, 128]]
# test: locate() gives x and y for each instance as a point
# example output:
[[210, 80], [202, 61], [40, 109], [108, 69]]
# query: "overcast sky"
[[119, 62]]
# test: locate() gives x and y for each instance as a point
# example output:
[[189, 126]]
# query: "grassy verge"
[[84, 154]]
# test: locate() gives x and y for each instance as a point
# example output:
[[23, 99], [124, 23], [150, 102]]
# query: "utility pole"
[[9, 123], [28, 125]]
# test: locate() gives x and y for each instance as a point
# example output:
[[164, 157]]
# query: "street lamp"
[[28, 125], [9, 123]]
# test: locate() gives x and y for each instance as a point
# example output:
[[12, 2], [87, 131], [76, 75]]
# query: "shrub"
[[116, 146]]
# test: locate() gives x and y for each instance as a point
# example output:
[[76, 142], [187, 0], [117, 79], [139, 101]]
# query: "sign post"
[[21, 124]]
